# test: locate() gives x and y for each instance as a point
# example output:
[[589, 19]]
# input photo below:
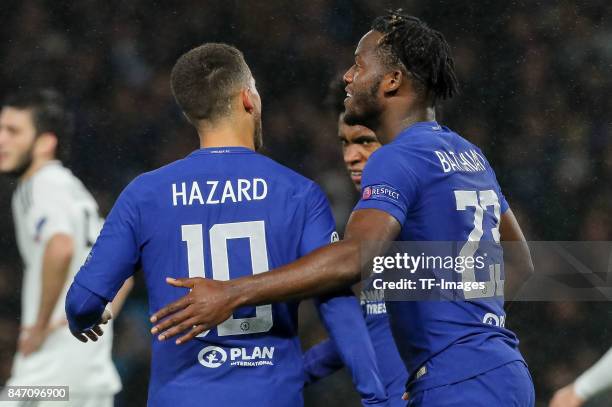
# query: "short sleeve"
[[503, 204], [388, 184], [50, 214], [116, 253], [319, 226]]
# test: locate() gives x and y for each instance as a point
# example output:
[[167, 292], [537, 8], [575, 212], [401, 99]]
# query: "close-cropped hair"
[[205, 79]]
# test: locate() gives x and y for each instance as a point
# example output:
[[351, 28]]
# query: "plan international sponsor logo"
[[213, 356]]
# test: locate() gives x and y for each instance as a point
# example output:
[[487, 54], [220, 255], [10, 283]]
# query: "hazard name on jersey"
[[213, 192]]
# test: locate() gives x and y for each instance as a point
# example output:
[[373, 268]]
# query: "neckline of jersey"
[[48, 164], [223, 150], [433, 125]]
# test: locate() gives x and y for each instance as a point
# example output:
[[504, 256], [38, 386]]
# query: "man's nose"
[[348, 76], [352, 155]]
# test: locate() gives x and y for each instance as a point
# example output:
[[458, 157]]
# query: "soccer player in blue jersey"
[[358, 143], [425, 184], [221, 213]]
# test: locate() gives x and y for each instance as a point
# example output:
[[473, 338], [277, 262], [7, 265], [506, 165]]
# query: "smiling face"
[[17, 138], [363, 102], [358, 143]]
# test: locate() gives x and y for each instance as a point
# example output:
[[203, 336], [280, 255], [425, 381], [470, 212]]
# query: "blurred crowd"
[[535, 96]]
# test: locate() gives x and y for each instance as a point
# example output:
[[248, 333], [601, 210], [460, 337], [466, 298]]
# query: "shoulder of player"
[[447, 139], [52, 182], [148, 180], [286, 176], [464, 142], [395, 156], [466, 145], [148, 184], [478, 151]]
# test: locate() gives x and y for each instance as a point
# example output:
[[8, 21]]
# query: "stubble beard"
[[24, 162], [366, 111]]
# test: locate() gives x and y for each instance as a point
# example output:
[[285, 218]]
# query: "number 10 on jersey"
[[219, 234]]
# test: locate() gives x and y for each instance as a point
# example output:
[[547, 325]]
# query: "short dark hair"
[[411, 44], [204, 80], [49, 115], [336, 93]]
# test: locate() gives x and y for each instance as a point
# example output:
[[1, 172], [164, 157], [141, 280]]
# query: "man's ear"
[[247, 100], [392, 81], [46, 143]]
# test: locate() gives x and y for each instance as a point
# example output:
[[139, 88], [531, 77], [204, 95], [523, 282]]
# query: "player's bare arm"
[[337, 265], [517, 259], [56, 263], [122, 295]]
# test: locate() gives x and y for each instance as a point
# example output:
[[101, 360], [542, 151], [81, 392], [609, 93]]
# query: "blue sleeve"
[[319, 227], [83, 308], [321, 360], [343, 319], [341, 314], [503, 204], [116, 253], [389, 184]]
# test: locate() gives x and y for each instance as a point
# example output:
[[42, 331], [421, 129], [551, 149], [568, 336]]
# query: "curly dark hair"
[[417, 49]]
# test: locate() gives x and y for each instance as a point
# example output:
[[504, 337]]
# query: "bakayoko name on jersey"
[[214, 192], [466, 161]]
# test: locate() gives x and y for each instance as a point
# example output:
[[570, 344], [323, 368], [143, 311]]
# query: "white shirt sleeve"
[[50, 213], [596, 379]]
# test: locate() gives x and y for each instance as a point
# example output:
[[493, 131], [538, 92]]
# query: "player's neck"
[[226, 135], [34, 167], [393, 122]]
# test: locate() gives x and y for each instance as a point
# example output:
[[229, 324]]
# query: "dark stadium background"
[[536, 97]]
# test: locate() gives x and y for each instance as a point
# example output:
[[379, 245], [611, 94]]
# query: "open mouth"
[[348, 95], [355, 176]]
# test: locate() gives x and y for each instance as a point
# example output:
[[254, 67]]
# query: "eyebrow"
[[365, 137], [358, 139]]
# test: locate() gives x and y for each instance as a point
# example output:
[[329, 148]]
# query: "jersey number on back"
[[219, 235], [480, 200]]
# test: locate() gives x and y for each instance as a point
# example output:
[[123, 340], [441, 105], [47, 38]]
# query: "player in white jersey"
[[56, 223], [596, 380]]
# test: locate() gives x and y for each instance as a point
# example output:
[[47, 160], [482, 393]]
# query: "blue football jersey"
[[224, 213], [440, 187]]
